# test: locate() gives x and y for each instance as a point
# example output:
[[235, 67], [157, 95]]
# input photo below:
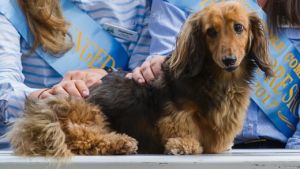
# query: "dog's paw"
[[125, 145], [122, 144], [182, 146]]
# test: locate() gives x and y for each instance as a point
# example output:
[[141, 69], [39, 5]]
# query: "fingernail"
[[141, 81], [85, 93]]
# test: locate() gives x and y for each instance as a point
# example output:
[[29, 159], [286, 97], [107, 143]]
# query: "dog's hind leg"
[[88, 133], [87, 140]]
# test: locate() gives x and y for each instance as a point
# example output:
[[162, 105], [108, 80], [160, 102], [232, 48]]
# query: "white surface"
[[236, 159]]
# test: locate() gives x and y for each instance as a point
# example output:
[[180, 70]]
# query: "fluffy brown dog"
[[196, 106]]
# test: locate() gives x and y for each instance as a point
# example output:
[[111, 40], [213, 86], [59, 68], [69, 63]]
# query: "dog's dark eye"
[[212, 33], [238, 28]]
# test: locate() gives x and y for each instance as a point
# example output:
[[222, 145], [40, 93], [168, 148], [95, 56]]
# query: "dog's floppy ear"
[[186, 60], [258, 45]]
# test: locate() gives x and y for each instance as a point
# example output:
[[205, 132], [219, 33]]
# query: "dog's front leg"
[[182, 146], [180, 134]]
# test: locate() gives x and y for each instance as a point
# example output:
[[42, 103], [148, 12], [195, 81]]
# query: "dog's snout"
[[229, 60]]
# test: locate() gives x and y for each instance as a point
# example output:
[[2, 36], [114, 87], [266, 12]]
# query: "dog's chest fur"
[[210, 107]]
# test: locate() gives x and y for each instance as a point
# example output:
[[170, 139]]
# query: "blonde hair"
[[47, 24]]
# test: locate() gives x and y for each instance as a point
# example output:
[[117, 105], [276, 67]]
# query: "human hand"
[[148, 71], [64, 89], [74, 84], [67, 88], [89, 76]]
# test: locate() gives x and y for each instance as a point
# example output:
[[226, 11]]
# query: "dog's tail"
[[39, 132]]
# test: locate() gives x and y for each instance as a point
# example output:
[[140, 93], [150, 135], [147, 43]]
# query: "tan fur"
[[212, 134]]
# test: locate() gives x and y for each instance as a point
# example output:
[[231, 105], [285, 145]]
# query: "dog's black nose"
[[229, 61]]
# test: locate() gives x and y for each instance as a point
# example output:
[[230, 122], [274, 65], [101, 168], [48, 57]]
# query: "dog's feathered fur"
[[195, 106]]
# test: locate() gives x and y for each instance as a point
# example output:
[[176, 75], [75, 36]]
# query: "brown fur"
[[61, 128], [196, 106]]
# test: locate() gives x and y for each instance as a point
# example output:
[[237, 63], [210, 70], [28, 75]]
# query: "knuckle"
[[68, 85], [91, 81], [136, 70], [56, 89], [78, 74], [71, 74], [139, 75], [148, 71], [136, 76], [68, 74], [147, 63], [77, 81], [84, 84], [144, 69], [153, 64]]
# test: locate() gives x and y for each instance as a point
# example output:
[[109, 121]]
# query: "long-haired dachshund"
[[196, 106]]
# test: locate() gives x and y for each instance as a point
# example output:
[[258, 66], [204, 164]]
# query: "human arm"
[[294, 141], [13, 91], [294, 36], [164, 25]]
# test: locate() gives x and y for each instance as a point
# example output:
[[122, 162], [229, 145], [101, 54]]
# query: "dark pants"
[[259, 144], [4, 146]]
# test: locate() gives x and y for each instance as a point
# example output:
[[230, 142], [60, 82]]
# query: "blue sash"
[[278, 97], [93, 46]]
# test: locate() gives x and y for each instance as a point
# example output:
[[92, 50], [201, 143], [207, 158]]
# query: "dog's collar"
[[110, 69]]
